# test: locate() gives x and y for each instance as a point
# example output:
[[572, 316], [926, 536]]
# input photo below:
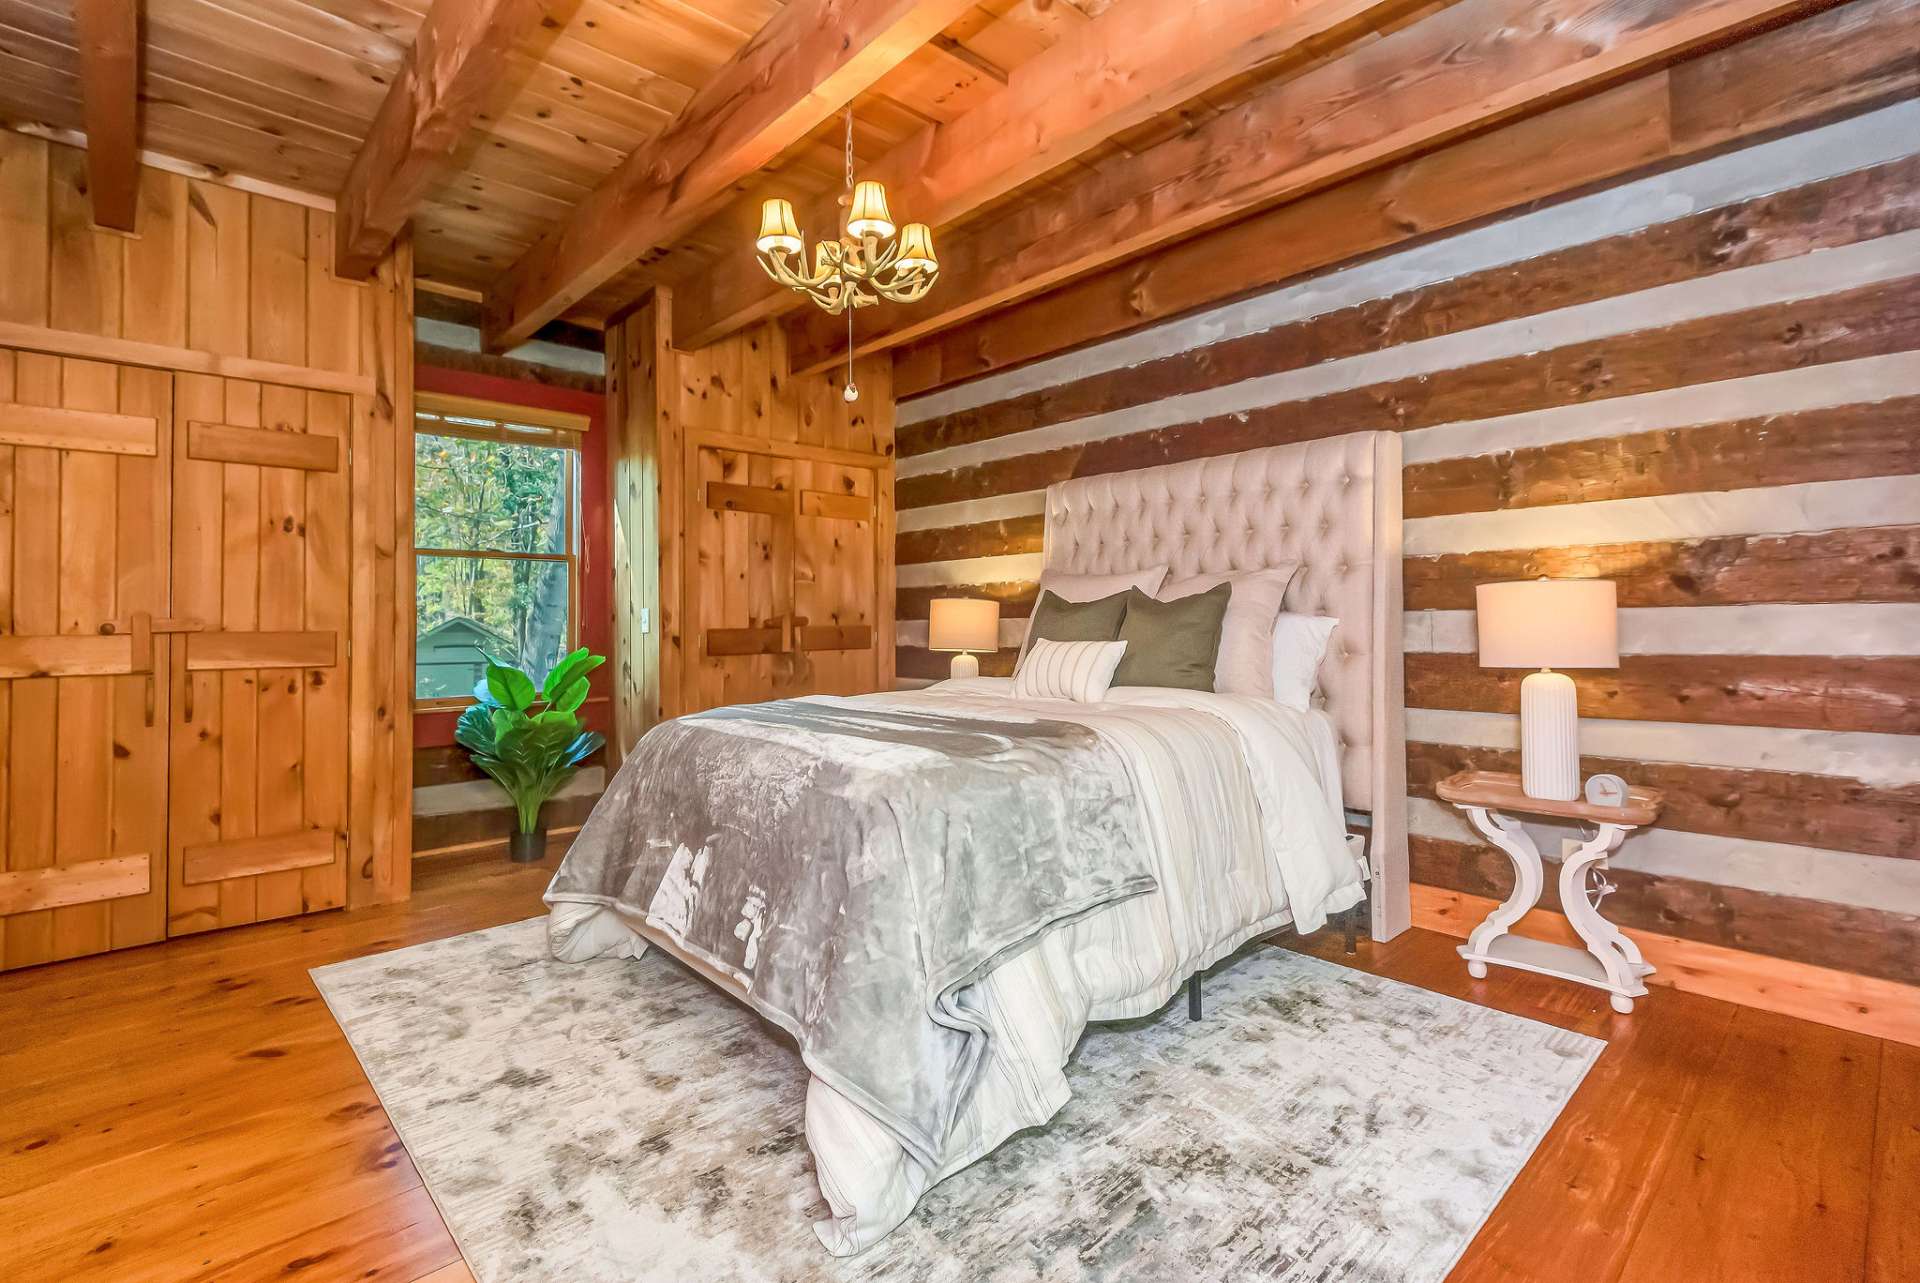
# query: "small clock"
[[1606, 790]]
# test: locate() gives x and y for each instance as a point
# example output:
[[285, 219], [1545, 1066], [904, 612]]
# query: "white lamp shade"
[[869, 216], [963, 623], [777, 228], [916, 248], [1548, 623]]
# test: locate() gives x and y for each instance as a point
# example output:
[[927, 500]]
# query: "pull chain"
[[852, 393]]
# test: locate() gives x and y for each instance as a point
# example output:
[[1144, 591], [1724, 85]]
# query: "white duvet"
[[1244, 817]]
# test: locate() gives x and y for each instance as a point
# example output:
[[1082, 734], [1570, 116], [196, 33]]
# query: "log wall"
[[1701, 382]]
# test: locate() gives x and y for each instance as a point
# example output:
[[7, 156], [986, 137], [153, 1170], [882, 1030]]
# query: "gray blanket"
[[855, 868]]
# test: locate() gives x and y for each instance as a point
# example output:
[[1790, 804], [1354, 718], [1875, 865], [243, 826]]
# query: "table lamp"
[[965, 624], [1549, 624]]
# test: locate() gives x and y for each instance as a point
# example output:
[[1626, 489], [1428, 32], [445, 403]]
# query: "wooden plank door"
[[257, 826], [84, 460], [780, 578]]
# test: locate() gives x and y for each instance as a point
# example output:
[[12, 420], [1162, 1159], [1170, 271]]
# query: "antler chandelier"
[[862, 265]]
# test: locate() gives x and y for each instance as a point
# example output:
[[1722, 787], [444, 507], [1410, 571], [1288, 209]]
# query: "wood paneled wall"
[[634, 348], [1703, 383], [228, 301], [738, 389]]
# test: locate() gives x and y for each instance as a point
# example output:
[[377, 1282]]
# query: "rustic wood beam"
[[457, 59], [1137, 60], [108, 33], [1465, 68], [809, 61], [1823, 66]]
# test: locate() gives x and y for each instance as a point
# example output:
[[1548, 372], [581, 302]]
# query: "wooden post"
[[108, 32]]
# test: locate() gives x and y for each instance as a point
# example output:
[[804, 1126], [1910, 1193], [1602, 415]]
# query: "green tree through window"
[[494, 523]]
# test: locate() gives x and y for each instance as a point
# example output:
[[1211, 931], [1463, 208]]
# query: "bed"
[[933, 892]]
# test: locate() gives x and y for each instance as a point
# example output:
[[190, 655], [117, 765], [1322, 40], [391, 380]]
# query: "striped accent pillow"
[[1077, 670]]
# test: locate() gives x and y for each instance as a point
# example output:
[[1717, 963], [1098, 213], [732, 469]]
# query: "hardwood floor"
[[189, 1112]]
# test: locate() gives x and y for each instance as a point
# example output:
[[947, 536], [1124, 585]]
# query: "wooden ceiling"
[[562, 156], [287, 90]]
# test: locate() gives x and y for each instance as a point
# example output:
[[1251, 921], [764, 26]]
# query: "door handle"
[[142, 626], [179, 625]]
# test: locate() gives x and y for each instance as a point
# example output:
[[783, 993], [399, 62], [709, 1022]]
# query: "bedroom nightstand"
[[1610, 961]]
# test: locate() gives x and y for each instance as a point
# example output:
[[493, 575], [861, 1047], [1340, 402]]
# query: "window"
[[496, 535]]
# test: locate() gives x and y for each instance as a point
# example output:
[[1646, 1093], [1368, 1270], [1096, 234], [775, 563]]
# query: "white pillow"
[[1299, 644], [1093, 587], [1079, 671], [1244, 665]]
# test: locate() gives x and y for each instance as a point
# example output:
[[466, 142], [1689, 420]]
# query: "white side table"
[[1610, 961]]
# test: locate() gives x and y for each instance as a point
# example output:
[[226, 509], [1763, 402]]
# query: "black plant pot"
[[528, 848]]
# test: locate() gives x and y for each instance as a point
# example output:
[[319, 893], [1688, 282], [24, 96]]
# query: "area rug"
[[623, 1122]]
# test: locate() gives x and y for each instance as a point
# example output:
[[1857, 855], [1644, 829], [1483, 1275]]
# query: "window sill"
[[452, 705]]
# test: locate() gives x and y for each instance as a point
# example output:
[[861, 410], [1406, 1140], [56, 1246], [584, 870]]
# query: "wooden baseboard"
[[1863, 1004]]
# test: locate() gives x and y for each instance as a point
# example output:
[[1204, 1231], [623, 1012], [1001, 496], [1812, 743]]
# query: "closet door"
[[84, 460], [780, 572], [260, 575]]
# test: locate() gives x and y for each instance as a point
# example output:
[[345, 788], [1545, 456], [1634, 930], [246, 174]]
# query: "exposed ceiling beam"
[[808, 62], [457, 60], [1795, 76], [1465, 68], [108, 33], [1138, 59]]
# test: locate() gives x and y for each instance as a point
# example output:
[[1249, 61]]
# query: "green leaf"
[[585, 746], [474, 730], [572, 696], [511, 688], [562, 673], [519, 783]]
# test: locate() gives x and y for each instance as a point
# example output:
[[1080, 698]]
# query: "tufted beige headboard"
[[1333, 505]]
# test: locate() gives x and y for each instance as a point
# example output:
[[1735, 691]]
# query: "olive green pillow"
[[1172, 643], [1057, 619]]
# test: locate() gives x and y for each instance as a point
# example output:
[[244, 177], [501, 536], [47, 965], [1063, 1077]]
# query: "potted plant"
[[529, 738]]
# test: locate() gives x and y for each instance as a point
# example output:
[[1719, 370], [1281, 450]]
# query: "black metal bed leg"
[[1193, 996]]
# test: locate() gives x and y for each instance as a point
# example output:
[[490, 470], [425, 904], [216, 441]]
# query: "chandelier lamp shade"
[[778, 232]]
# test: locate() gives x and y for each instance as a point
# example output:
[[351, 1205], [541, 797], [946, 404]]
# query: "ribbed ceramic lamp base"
[[1549, 737], [964, 665]]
